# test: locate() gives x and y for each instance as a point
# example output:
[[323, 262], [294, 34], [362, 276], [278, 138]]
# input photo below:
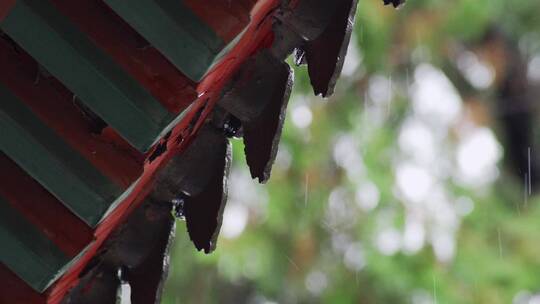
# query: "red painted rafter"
[[42, 209], [54, 104], [5, 7], [15, 290], [226, 18], [131, 51]]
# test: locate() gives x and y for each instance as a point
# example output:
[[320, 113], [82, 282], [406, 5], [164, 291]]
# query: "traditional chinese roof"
[[115, 113]]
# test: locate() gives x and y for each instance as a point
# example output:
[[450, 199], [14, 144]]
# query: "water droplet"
[[178, 208]]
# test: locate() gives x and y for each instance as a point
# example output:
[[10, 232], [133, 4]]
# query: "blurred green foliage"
[[311, 235]]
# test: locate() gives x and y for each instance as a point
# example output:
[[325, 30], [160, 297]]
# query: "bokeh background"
[[415, 183]]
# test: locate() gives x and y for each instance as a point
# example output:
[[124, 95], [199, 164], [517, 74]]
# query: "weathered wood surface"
[[119, 70]]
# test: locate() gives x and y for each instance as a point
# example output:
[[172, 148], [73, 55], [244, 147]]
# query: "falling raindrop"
[[292, 262], [306, 191], [526, 191], [500, 242], [529, 168]]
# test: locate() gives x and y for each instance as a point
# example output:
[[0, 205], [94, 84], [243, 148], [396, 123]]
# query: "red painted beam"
[[226, 18], [15, 290], [5, 7], [248, 4], [53, 103], [42, 209], [131, 51]]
